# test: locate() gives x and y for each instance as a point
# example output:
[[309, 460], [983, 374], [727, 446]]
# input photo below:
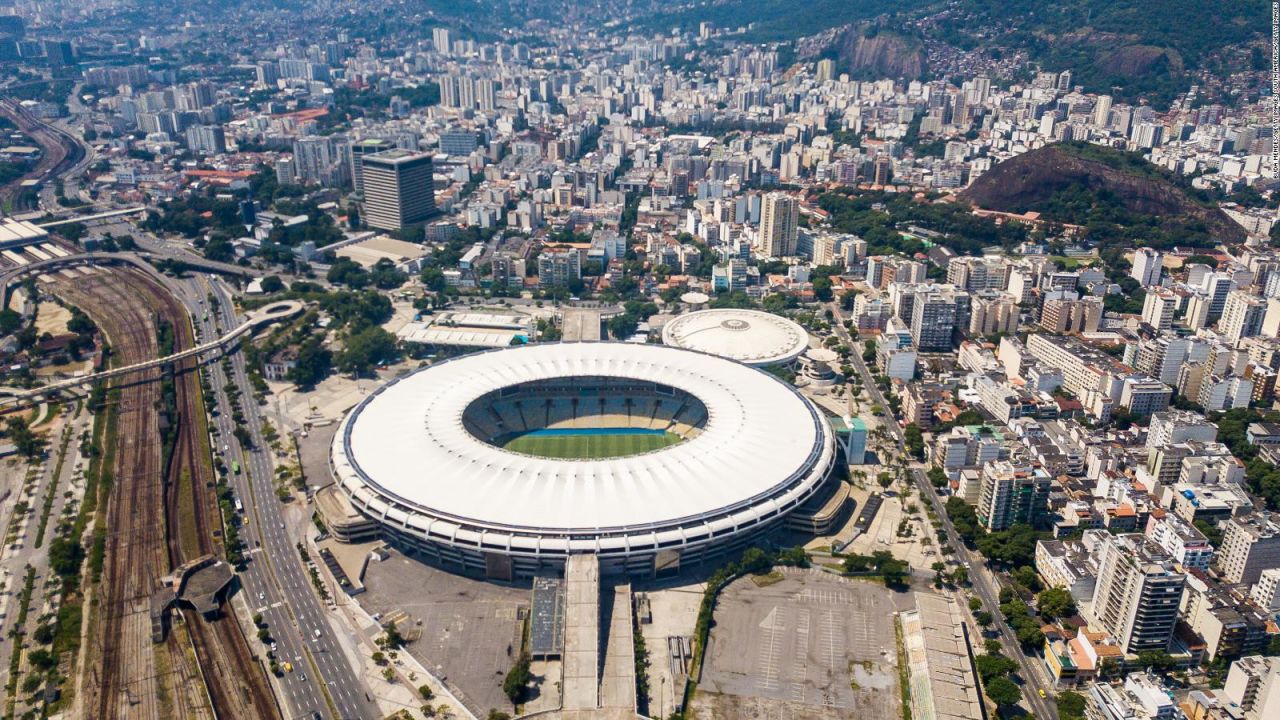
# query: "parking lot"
[[810, 645], [470, 628]]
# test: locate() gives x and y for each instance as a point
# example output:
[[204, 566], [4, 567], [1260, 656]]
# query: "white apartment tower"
[[1147, 264]]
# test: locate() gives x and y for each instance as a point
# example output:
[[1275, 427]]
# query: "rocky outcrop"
[[881, 54]]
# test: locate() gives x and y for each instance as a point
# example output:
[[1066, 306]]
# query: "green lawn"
[[589, 447]]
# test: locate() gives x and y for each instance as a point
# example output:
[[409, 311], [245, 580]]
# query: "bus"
[[235, 466]]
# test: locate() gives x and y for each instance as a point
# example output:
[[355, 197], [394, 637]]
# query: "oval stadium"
[[505, 462]]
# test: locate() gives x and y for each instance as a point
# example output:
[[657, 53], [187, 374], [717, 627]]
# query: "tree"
[[1056, 602], [1071, 705], [1003, 692], [915, 440], [367, 348], [10, 321], [513, 685], [991, 667], [313, 363], [272, 284], [345, 271]]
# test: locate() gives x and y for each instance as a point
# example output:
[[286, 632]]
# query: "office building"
[[359, 149], [399, 190]]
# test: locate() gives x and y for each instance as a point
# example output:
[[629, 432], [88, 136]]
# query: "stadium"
[[505, 462]]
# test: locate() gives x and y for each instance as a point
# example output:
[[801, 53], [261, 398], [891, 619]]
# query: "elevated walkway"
[[267, 315]]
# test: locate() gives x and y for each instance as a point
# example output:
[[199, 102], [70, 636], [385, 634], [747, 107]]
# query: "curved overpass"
[[106, 258], [267, 315]]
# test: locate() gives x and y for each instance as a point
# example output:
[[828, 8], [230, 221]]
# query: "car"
[[317, 633], [262, 596], [1042, 693]]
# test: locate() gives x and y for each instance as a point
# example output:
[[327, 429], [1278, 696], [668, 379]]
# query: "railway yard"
[[62, 152], [160, 511]]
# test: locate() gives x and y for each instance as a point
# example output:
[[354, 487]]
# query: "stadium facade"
[[425, 458]]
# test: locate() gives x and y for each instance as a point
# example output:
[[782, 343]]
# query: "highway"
[[982, 578], [276, 584]]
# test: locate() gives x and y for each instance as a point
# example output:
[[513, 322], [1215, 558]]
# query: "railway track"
[[62, 152], [147, 521]]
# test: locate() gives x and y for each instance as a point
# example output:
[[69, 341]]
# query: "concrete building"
[[1250, 545], [359, 149], [1147, 265], [933, 318], [1242, 315], [399, 191], [1253, 685], [1071, 317], [557, 267], [779, 225], [1159, 308], [1012, 493], [1138, 593]]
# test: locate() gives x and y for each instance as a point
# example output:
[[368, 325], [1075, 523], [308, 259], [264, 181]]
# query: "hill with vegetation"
[[1130, 48], [1117, 195]]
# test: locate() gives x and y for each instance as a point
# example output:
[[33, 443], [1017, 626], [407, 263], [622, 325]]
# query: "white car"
[[262, 596]]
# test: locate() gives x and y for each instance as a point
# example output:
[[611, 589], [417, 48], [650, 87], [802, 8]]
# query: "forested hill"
[[1119, 196]]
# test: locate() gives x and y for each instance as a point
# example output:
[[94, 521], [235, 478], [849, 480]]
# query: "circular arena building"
[[506, 462], [748, 336]]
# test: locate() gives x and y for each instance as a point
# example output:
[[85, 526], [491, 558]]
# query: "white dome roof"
[[749, 336]]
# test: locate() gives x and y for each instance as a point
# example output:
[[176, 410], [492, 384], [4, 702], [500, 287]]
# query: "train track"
[[146, 521], [62, 151]]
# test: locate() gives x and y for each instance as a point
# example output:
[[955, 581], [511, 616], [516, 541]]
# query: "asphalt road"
[[981, 577], [275, 581]]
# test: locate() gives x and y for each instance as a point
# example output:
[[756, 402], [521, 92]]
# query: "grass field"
[[589, 447]]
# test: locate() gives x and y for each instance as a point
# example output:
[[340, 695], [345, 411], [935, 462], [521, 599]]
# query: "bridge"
[[12, 274], [272, 313], [91, 218]]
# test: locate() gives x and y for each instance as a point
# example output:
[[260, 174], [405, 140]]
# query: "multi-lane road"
[[275, 583], [982, 579]]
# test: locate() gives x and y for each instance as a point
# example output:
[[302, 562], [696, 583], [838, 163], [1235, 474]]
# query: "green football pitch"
[[589, 447]]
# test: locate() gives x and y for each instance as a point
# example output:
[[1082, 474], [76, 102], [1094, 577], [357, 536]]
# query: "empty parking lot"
[[810, 645]]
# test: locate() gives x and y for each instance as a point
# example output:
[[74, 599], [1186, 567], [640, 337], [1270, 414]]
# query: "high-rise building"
[[458, 143], [1253, 686], [360, 148], [1242, 315], [1158, 309], [441, 40], [1012, 493], [1250, 544], [1071, 317], [934, 314], [826, 70], [1137, 595], [399, 190], [559, 266], [1147, 265], [779, 225], [1102, 111], [209, 139]]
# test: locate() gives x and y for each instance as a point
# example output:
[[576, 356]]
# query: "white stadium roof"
[[749, 336], [406, 443]]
